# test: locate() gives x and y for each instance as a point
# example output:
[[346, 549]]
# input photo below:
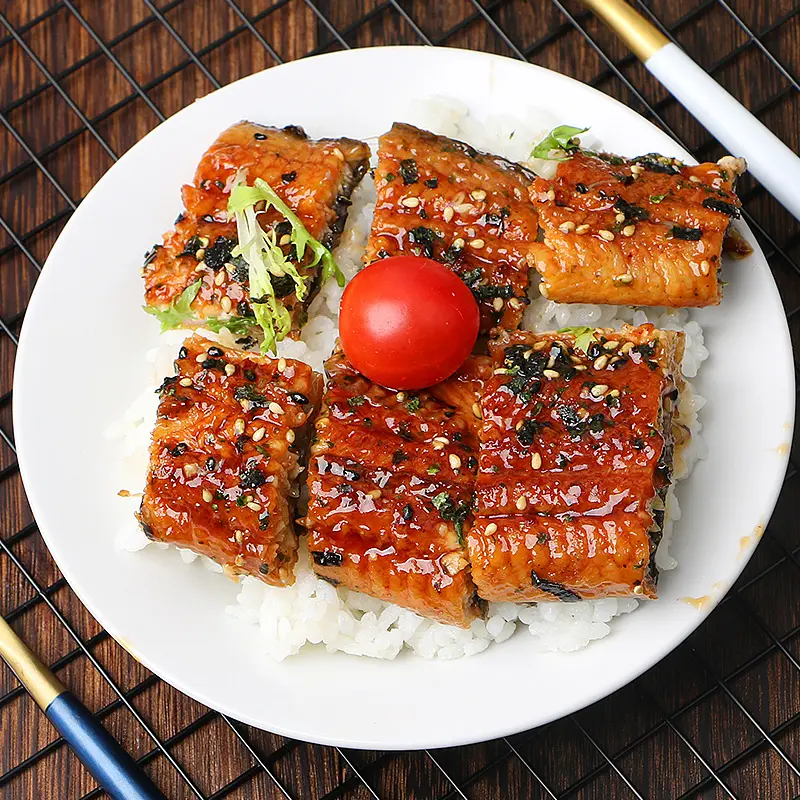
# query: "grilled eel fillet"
[[645, 232], [315, 178], [223, 459], [443, 199], [390, 481], [575, 463]]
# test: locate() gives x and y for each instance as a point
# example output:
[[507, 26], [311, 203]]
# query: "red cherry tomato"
[[407, 322]]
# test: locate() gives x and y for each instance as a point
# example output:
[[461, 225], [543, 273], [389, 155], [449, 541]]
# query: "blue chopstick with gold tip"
[[110, 765]]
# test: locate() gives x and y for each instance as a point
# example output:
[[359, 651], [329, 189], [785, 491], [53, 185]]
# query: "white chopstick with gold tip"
[[774, 164]]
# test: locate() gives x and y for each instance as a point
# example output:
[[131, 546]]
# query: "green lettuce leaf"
[[560, 138], [178, 311], [238, 326]]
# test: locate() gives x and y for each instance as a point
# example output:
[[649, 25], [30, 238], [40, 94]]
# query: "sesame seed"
[[551, 195], [478, 195], [626, 278], [614, 393], [290, 436], [410, 202], [626, 348], [620, 217], [490, 529], [448, 213], [575, 359], [225, 304], [694, 179], [476, 410], [637, 169], [605, 234], [581, 229], [190, 470], [540, 345], [463, 208], [519, 425], [204, 240], [207, 496], [514, 303], [285, 239], [201, 358], [522, 503], [239, 560], [611, 344], [551, 373], [598, 390], [338, 153], [258, 434], [281, 364], [580, 367], [274, 408], [500, 371], [629, 230], [230, 369], [637, 589], [254, 506], [200, 253], [458, 243], [455, 461], [185, 382], [497, 304], [614, 360], [600, 363], [705, 267], [536, 461], [200, 266], [441, 440], [245, 404], [567, 227], [238, 427], [400, 397], [477, 244], [239, 536], [220, 279], [543, 287]]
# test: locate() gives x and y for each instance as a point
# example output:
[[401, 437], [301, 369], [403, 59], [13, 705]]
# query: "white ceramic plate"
[[81, 361]]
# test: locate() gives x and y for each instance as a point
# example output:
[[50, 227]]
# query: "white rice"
[[312, 612]]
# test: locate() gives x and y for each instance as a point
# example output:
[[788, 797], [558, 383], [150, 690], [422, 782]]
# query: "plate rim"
[[50, 538]]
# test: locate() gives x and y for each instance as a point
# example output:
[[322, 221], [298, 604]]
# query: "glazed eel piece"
[[647, 231], [224, 458], [441, 198], [315, 179], [390, 484], [575, 462]]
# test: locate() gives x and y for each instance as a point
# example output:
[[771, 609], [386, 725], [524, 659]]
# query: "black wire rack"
[[719, 718]]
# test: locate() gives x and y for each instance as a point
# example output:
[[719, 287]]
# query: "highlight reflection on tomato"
[[407, 322]]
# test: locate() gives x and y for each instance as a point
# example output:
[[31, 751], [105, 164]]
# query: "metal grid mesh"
[[718, 718]]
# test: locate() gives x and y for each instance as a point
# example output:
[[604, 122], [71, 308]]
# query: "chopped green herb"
[[657, 198], [560, 138], [178, 310], [356, 401], [450, 511], [414, 404], [584, 336], [408, 171], [434, 469]]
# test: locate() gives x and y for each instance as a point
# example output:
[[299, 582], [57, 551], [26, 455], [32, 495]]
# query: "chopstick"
[[109, 764], [774, 164]]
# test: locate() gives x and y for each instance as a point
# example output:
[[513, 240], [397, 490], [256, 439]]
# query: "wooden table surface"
[[719, 717]]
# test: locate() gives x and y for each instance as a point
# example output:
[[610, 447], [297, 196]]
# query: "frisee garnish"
[[179, 310], [265, 258], [561, 138], [584, 336], [238, 326]]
